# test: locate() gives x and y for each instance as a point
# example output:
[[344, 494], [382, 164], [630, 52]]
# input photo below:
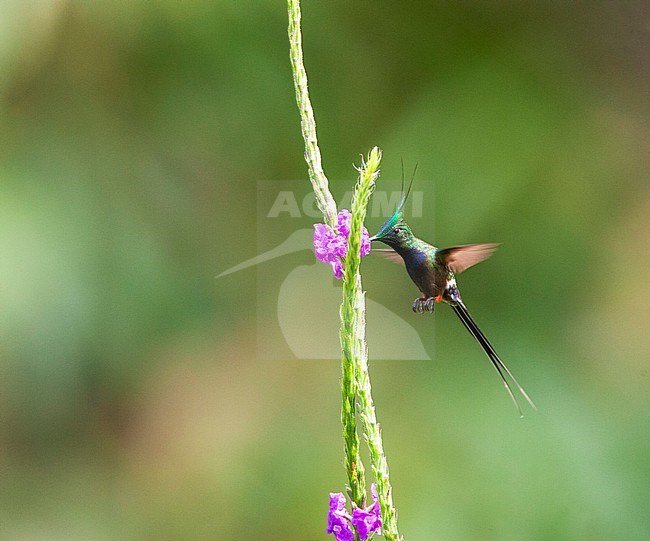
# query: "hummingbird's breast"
[[430, 279]]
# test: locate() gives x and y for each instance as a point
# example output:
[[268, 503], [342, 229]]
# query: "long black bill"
[[472, 327]]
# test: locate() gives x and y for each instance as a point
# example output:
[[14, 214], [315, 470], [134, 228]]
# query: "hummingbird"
[[434, 270]]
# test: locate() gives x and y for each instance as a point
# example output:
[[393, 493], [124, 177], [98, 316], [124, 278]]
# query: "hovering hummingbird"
[[434, 270]]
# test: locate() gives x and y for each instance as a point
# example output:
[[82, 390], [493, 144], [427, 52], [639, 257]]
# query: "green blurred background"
[[133, 404]]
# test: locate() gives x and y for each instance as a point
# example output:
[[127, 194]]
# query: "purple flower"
[[344, 219], [328, 246], [338, 519], [331, 246], [337, 269], [368, 520], [365, 243]]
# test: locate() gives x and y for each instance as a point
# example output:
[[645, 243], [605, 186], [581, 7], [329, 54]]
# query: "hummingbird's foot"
[[421, 305]]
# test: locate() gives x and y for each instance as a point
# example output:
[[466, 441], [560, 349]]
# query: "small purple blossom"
[[331, 246], [368, 520], [338, 519], [365, 243], [344, 219]]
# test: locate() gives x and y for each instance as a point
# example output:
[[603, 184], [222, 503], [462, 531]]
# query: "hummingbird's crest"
[[398, 216]]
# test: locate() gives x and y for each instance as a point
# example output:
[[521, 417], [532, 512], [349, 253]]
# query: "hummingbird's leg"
[[424, 304]]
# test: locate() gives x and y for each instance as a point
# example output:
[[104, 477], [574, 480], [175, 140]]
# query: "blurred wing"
[[459, 258], [389, 254]]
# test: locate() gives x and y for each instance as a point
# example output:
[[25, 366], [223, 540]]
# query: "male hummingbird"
[[434, 270]]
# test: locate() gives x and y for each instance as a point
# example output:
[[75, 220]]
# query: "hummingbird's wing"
[[459, 258], [472, 327], [390, 254]]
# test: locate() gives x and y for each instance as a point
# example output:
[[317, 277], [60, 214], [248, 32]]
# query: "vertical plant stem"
[[372, 434], [353, 465], [354, 363], [353, 325], [353, 312], [319, 181]]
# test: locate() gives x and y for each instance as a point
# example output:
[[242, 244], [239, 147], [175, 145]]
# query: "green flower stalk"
[[319, 181], [355, 380], [353, 324], [353, 342]]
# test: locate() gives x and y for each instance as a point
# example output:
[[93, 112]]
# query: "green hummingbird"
[[434, 270]]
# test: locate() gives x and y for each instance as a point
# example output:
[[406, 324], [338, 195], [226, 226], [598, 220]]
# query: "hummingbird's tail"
[[472, 327]]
